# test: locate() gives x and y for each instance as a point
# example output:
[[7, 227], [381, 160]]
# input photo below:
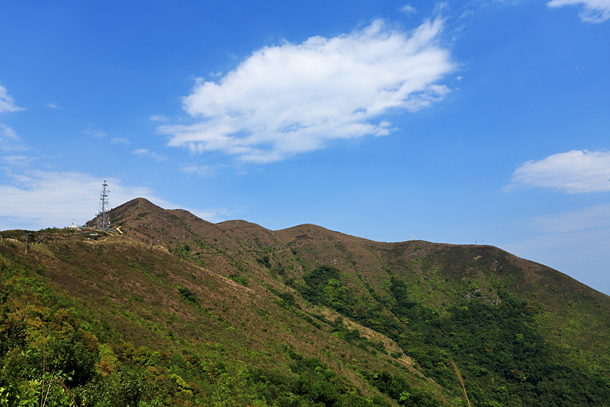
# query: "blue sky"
[[456, 122]]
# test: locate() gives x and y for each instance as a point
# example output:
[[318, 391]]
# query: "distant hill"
[[168, 309]]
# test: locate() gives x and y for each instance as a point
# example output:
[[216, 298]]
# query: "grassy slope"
[[128, 295], [508, 323]]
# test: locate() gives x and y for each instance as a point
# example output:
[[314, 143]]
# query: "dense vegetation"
[[498, 347]]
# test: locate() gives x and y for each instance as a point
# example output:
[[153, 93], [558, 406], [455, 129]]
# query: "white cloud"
[[465, 14], [52, 106], [96, 133], [147, 153], [440, 6], [16, 161], [572, 172], [594, 11], [37, 199], [158, 118], [294, 98], [216, 215], [589, 218], [120, 140], [7, 103], [408, 9], [200, 170], [9, 140], [7, 132]]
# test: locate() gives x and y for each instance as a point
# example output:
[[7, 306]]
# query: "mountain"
[[168, 309]]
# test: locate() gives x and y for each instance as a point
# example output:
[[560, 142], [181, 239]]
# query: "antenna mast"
[[103, 222]]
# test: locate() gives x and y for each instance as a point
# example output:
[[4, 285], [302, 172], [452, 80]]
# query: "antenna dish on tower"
[[103, 221]]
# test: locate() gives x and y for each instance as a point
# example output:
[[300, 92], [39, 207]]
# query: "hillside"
[[173, 310]]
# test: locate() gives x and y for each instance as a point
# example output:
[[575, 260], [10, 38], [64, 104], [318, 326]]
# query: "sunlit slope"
[[377, 322]]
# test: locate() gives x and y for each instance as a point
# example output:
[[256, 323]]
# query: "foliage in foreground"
[[54, 352]]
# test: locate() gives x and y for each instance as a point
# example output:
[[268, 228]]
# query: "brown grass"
[[459, 375]]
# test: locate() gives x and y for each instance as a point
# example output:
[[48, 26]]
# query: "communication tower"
[[103, 221]]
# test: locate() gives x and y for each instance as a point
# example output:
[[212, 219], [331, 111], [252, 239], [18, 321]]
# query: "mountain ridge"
[[374, 316]]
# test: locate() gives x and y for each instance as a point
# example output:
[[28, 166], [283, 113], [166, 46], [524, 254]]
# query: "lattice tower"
[[103, 220]]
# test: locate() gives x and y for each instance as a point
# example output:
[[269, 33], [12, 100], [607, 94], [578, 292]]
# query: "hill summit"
[[170, 309]]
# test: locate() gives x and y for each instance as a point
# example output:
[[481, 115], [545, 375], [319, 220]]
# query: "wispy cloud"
[[8, 137], [38, 199], [216, 215], [16, 161], [96, 133], [7, 133], [582, 254], [147, 153], [9, 140], [200, 170], [103, 134], [158, 118], [52, 106], [120, 140], [565, 239], [594, 11], [572, 172], [593, 217], [408, 9], [295, 98], [7, 103]]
